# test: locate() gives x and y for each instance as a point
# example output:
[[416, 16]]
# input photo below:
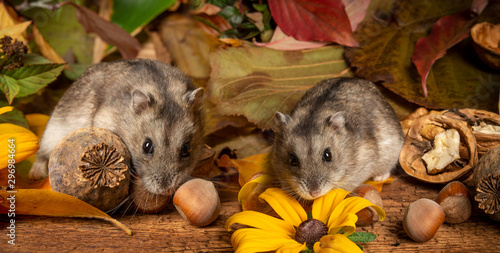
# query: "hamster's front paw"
[[382, 177], [39, 170]]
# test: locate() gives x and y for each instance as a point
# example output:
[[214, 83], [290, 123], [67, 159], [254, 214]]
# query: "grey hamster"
[[153, 107], [341, 133]]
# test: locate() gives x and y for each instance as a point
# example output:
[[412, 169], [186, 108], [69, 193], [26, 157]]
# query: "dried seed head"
[[310, 231], [488, 193], [103, 165], [13, 51]]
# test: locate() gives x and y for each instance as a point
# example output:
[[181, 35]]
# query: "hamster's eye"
[[327, 155], [294, 160], [185, 150], [148, 146]]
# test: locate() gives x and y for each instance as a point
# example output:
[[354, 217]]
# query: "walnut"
[[485, 126], [486, 39], [419, 141], [103, 165]]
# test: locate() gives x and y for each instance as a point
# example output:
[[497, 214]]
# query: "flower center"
[[310, 231]]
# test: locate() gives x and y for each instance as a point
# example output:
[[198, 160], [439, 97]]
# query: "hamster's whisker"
[[117, 207]]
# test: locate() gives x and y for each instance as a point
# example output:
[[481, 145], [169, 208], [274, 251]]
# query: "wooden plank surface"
[[168, 232]]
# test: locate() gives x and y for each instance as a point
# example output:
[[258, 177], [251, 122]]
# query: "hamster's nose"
[[314, 193]]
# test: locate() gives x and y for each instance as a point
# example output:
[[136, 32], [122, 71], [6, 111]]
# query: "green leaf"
[[64, 33], [75, 71], [15, 116], [133, 14], [221, 3], [459, 79], [30, 59], [32, 78], [9, 86], [362, 237], [256, 82]]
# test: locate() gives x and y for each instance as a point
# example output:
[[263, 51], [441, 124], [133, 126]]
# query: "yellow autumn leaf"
[[6, 109], [248, 167], [10, 26], [22, 182], [24, 141], [37, 123], [55, 204]]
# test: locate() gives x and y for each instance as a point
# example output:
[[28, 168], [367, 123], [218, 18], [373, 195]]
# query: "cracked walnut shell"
[[485, 127], [419, 141], [91, 164]]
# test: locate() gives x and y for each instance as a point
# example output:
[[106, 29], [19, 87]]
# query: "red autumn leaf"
[[478, 6], [107, 31], [321, 20], [446, 32], [356, 11]]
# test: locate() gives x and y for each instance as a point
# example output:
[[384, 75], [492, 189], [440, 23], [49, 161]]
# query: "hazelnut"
[[422, 219], [91, 164], [455, 200], [198, 202], [368, 215]]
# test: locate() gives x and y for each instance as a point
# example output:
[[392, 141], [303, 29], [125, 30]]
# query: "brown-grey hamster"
[[153, 107], [341, 133]]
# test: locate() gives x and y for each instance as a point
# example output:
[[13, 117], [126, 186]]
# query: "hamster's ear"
[[336, 120], [141, 101], [194, 99], [280, 121]]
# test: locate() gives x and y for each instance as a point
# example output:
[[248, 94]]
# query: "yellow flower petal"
[[346, 223], [26, 143], [379, 184], [292, 247], [6, 109], [256, 240], [248, 188], [285, 206], [37, 123], [335, 243], [262, 221], [340, 215], [323, 206]]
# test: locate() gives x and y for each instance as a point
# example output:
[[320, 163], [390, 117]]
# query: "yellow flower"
[[25, 143], [333, 218]]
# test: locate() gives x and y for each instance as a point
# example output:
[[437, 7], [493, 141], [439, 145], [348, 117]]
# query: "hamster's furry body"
[[340, 134], [153, 107]]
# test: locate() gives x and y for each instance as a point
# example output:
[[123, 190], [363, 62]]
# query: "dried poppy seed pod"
[[368, 215], [486, 177], [197, 201], [455, 200], [422, 219], [91, 164]]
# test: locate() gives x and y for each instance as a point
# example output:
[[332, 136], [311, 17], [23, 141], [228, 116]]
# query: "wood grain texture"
[[168, 232]]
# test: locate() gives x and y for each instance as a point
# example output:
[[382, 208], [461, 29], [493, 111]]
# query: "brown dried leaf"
[[109, 32]]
